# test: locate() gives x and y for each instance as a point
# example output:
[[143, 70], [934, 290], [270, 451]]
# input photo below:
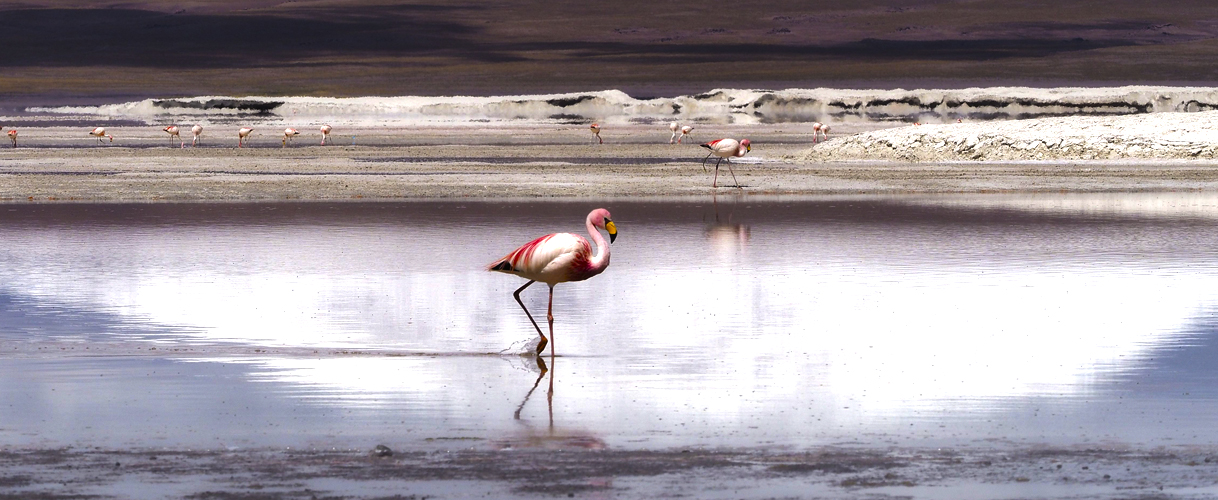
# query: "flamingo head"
[[748, 146], [601, 219]]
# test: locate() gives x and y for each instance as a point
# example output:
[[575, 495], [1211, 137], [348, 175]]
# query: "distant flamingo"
[[596, 132], [819, 128], [725, 149], [12, 135], [100, 132], [172, 130], [674, 127], [684, 133], [325, 133], [558, 258], [288, 134], [197, 130], [243, 134]]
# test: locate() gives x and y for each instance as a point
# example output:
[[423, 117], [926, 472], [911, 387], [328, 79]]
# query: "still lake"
[[946, 320]]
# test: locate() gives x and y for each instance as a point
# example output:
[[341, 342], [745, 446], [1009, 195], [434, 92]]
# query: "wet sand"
[[60, 164]]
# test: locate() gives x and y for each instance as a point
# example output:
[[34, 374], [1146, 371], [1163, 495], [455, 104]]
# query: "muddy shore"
[[56, 164]]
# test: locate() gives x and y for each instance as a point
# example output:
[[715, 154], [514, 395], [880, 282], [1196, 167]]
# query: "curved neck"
[[601, 260]]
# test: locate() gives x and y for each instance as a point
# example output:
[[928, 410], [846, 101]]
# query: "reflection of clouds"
[[1149, 205]]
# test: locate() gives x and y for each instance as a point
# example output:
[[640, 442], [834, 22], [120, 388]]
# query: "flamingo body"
[[173, 131], [243, 134], [559, 258], [596, 133], [197, 130], [100, 132], [726, 149], [325, 133], [684, 133], [12, 135], [288, 134], [674, 127]]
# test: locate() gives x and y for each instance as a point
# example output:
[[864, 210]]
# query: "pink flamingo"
[[816, 131], [325, 133], [684, 133], [674, 127], [100, 132], [12, 135], [725, 149], [288, 134], [197, 130], [242, 135], [558, 258], [172, 130], [596, 132]]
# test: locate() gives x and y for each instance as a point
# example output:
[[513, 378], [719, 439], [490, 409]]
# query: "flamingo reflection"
[[551, 438], [727, 239]]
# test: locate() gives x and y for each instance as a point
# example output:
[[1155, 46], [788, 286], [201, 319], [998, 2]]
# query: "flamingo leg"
[[541, 346], [715, 181], [708, 155], [550, 317], [729, 169]]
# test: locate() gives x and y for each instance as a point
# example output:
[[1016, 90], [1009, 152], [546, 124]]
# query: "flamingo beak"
[[748, 148], [612, 228]]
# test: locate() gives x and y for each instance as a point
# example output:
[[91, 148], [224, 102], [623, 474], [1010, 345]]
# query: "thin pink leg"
[[550, 317], [541, 347]]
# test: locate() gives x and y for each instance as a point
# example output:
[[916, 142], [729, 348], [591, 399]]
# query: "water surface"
[[979, 320]]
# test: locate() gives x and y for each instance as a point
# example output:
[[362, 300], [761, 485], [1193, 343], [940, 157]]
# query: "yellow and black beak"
[[748, 148], [612, 228]]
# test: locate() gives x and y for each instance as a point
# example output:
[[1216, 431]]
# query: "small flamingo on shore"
[[288, 134], [197, 130], [684, 133], [819, 128], [173, 130], [674, 127], [100, 132], [242, 135], [725, 149], [12, 135], [325, 133], [558, 258], [596, 133]]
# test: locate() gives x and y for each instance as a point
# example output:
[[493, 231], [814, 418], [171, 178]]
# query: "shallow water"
[[972, 320]]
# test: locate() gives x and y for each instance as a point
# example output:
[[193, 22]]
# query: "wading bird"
[[197, 130], [596, 133], [243, 134], [100, 132], [288, 134], [325, 133], [172, 130], [12, 135], [684, 133], [674, 127], [819, 128], [558, 258], [725, 149]]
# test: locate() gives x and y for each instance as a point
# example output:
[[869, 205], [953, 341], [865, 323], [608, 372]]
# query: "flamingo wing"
[[723, 147], [553, 258]]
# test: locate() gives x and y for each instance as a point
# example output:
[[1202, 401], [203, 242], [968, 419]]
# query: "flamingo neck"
[[601, 260]]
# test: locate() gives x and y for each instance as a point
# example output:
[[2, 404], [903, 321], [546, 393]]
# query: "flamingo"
[[558, 258], [12, 135], [288, 134], [243, 134], [325, 133], [596, 132], [197, 130], [684, 133], [100, 132], [819, 128], [172, 130], [674, 127], [725, 149]]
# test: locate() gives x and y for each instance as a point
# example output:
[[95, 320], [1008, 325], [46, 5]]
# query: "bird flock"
[[725, 149], [175, 135]]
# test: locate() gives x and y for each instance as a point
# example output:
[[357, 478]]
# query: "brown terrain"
[[94, 50]]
